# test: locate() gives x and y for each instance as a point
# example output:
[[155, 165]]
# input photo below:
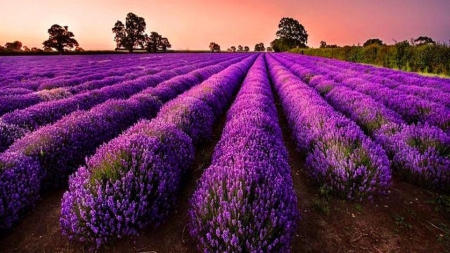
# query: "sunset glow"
[[193, 24]]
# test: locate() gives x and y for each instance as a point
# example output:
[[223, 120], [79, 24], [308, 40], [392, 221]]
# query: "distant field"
[[236, 152]]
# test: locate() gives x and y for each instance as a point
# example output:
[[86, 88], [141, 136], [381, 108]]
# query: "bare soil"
[[409, 219]]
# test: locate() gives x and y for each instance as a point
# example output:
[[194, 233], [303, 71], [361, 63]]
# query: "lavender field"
[[118, 136]]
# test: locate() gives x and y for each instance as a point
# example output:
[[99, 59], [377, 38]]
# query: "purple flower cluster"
[[129, 183], [339, 156], [20, 179], [421, 154], [61, 147], [132, 181], [245, 200], [8, 134]]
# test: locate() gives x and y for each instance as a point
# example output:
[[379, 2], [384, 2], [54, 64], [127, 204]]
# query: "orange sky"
[[193, 24]]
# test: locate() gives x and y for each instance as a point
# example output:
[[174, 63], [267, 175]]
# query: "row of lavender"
[[339, 156], [420, 153], [15, 124], [63, 87], [45, 158], [245, 201], [132, 181], [413, 108]]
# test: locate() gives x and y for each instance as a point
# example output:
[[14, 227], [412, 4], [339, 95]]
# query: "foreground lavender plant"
[[245, 200], [129, 183]]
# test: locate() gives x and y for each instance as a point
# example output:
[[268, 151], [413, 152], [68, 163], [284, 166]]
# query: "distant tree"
[[60, 38], [13, 46], [278, 46], [26, 49], [152, 42], [269, 49], [35, 49], [424, 40], [240, 48], [372, 42], [246, 49], [2, 48], [214, 47], [48, 49], [323, 44], [260, 47], [164, 44], [291, 33], [79, 49], [131, 34], [233, 48]]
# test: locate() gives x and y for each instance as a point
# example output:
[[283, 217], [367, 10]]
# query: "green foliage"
[[373, 42], [291, 34], [60, 38], [260, 47], [427, 58], [214, 47], [130, 34], [279, 45]]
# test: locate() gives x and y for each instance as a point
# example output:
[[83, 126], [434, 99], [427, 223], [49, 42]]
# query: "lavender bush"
[[245, 200]]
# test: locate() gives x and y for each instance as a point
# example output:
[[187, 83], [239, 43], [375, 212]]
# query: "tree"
[[79, 49], [260, 47], [152, 42], [26, 49], [233, 48], [35, 49], [240, 48], [164, 44], [131, 34], [323, 44], [291, 34], [269, 49], [372, 42], [424, 40], [214, 47], [60, 38], [14, 46], [246, 49]]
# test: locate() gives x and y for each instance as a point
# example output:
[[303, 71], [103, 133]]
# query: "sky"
[[193, 24]]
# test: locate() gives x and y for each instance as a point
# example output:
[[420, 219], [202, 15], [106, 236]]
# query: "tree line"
[[421, 54], [129, 36], [291, 34]]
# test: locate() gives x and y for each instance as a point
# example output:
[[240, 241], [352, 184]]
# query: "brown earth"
[[409, 219]]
